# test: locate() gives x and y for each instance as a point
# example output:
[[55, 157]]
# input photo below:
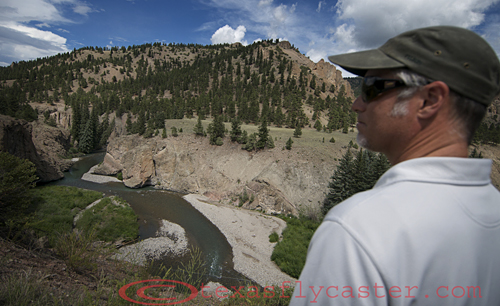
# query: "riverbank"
[[248, 234], [99, 179], [170, 241]]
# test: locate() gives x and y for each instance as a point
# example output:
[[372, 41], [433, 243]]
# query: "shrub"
[[243, 198], [174, 131], [79, 250], [17, 176], [290, 253], [274, 237]]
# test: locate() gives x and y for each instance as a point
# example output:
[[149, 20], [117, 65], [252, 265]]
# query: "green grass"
[[110, 222], [290, 253], [310, 139], [54, 208]]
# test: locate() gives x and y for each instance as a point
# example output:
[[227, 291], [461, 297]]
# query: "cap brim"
[[360, 62]]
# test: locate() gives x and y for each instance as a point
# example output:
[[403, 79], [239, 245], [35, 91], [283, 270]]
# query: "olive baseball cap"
[[459, 57]]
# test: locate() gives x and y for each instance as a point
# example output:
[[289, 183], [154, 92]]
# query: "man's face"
[[383, 122]]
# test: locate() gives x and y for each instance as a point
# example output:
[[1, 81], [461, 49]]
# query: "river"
[[153, 205]]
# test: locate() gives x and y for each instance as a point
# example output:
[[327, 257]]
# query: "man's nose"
[[359, 105]]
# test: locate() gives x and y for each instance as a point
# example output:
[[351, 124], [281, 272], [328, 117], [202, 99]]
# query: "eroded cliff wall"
[[279, 180], [43, 145]]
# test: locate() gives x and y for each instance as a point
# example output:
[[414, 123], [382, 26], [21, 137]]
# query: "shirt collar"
[[441, 170]]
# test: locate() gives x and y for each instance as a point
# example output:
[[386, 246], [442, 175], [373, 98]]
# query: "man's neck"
[[437, 141]]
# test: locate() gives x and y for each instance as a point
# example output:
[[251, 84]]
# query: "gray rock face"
[[41, 144], [277, 180]]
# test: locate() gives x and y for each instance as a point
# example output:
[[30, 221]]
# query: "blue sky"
[[37, 28]]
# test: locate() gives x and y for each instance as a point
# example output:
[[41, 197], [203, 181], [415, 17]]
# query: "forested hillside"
[[267, 80]]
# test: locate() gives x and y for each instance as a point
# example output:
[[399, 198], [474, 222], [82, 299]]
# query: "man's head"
[[431, 74]]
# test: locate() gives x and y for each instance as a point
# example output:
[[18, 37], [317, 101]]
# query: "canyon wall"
[[279, 181]]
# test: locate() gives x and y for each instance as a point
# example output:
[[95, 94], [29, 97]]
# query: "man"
[[428, 233]]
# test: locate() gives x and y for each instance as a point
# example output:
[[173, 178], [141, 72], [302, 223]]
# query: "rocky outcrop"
[[327, 71], [41, 144], [278, 180]]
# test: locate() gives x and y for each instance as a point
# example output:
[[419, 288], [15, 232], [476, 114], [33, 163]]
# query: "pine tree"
[[17, 176], [263, 135], [236, 132], [216, 129], [198, 129], [76, 121], [86, 144], [251, 143], [318, 126], [298, 131], [244, 138], [354, 175], [289, 144], [270, 143], [341, 182], [174, 131]]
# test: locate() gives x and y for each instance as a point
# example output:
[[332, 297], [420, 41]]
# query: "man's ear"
[[435, 95]]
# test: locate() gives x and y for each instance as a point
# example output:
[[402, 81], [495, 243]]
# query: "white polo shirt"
[[428, 233]]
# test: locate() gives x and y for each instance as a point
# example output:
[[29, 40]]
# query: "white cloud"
[[226, 34], [320, 5], [261, 17], [316, 55], [265, 2], [82, 9], [352, 25], [374, 24], [43, 25], [19, 41]]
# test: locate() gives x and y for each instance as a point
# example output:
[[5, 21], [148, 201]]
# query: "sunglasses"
[[374, 86]]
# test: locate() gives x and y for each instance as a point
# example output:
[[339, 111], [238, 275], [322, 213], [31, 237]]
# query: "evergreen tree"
[[198, 129], [318, 126], [345, 130], [140, 124], [270, 142], [107, 132], [251, 143], [236, 132], [298, 131], [476, 154], [17, 176], [340, 184], [244, 138], [76, 121], [174, 131], [263, 135], [86, 144], [216, 129], [289, 143], [354, 175]]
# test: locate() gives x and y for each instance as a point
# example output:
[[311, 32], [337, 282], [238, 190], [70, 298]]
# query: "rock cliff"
[[41, 144], [280, 181]]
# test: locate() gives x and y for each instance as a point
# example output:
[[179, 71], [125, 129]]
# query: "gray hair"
[[466, 112]]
